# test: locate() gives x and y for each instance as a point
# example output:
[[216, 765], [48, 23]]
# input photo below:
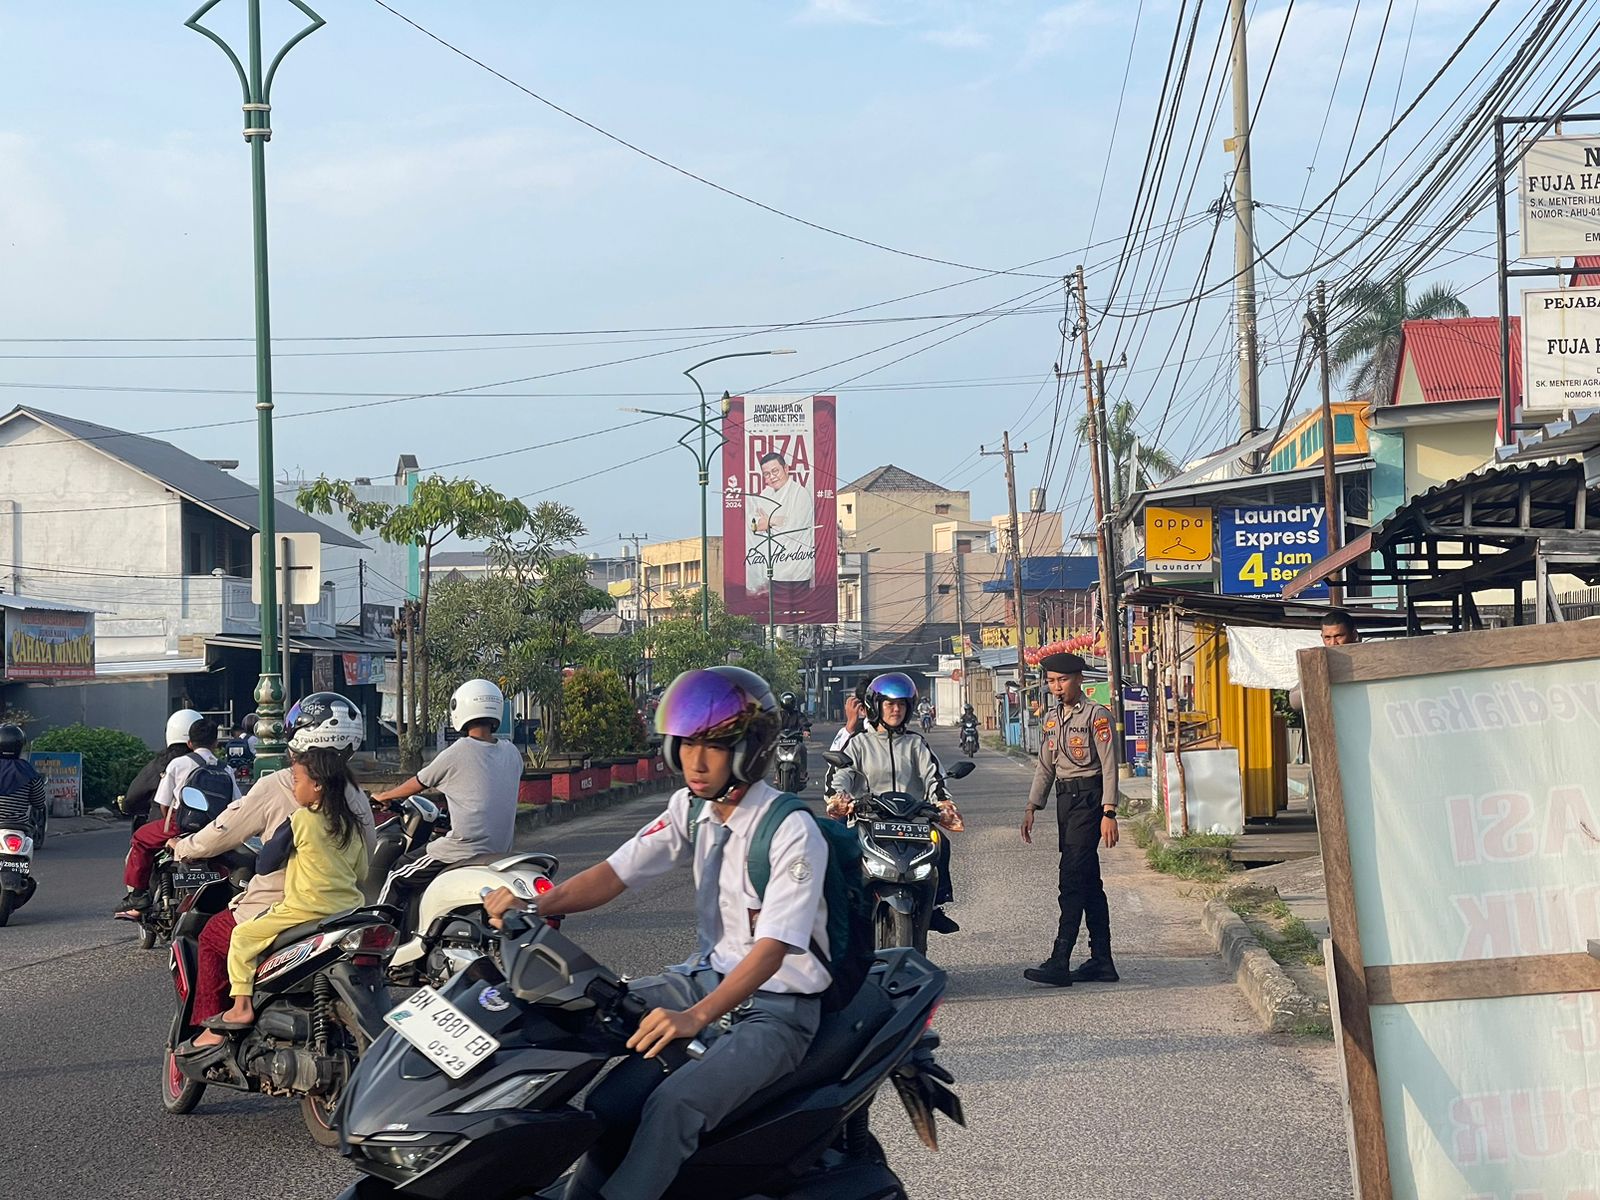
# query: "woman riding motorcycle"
[[890, 756]]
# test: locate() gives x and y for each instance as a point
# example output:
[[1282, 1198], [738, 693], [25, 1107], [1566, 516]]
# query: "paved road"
[[1159, 1086]]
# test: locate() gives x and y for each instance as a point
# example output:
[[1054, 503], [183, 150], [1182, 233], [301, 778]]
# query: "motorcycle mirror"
[[836, 758], [961, 770], [194, 798]]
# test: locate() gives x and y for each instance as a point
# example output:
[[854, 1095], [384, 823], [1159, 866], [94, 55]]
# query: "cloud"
[[963, 37], [1058, 28], [840, 12]]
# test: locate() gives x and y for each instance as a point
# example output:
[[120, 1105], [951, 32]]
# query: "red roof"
[[1586, 270], [1458, 358]]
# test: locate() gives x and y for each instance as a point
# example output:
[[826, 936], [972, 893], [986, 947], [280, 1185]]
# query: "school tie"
[[708, 896]]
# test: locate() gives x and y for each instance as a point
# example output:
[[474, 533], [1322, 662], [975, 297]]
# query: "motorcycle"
[[320, 999], [969, 739], [900, 850], [472, 1091], [17, 884], [791, 760], [927, 720], [173, 883], [436, 940]]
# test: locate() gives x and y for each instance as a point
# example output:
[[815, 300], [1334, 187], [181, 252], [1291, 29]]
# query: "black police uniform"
[[1078, 761]]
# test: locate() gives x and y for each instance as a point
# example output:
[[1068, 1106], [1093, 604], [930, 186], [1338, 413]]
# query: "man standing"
[[789, 513], [1079, 761]]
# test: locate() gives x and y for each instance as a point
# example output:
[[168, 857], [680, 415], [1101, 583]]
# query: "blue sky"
[[411, 192]]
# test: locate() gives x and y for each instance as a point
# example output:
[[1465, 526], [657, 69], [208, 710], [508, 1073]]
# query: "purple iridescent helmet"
[[727, 706], [894, 685]]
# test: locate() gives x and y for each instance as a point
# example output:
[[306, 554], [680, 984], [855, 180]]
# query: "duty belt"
[[1082, 783]]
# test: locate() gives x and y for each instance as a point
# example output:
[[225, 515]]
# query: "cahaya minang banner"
[[779, 471]]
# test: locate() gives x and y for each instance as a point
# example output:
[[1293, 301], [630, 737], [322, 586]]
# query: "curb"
[[1278, 1001], [560, 811]]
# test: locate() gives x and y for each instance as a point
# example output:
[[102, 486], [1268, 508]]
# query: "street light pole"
[[702, 459], [257, 89]]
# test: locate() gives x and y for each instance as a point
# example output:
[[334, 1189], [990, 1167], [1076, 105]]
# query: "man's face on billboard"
[[774, 473]]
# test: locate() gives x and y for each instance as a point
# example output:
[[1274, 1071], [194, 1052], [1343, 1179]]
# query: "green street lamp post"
[[702, 457], [257, 89]]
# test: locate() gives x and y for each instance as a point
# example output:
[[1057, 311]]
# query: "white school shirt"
[[177, 775], [793, 911]]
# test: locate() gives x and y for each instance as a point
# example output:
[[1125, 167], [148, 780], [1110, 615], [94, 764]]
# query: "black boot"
[[1055, 970], [1098, 969], [942, 922]]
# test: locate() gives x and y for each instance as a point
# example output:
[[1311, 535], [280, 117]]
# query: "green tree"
[[111, 759], [1369, 348], [1151, 464], [439, 509], [598, 716], [678, 643]]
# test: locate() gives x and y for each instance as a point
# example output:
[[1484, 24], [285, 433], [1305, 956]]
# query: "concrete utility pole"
[[638, 562], [1330, 480], [1016, 577], [1109, 586], [1097, 478], [961, 621], [1244, 230]]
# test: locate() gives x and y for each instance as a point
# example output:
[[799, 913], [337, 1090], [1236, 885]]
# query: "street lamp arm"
[[316, 23], [652, 412], [739, 354], [194, 24]]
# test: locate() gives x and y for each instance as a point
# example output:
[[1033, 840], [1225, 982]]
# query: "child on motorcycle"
[[326, 856], [892, 757]]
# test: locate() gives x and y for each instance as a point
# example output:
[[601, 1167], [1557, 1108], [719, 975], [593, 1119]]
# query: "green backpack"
[[844, 887]]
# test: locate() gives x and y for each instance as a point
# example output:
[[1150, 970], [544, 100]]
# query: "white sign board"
[[305, 567], [1560, 350], [1559, 195]]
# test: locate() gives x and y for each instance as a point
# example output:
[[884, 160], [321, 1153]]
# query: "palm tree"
[[1369, 347], [1151, 464]]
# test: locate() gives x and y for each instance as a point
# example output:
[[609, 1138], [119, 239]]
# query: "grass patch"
[[1143, 830], [1293, 942], [1313, 1029], [1195, 856]]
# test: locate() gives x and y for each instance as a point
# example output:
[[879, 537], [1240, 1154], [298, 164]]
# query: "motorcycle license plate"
[[446, 1036], [910, 831], [192, 878], [16, 867]]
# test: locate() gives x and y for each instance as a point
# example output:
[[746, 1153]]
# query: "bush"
[[597, 715], [111, 759]]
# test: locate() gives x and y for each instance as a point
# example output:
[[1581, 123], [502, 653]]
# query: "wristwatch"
[[1108, 814]]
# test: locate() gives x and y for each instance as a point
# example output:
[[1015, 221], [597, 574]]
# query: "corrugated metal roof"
[[8, 600], [1586, 270], [199, 481], [1458, 358], [149, 666], [1051, 573]]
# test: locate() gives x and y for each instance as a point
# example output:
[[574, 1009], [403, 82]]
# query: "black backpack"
[[213, 780], [844, 887]]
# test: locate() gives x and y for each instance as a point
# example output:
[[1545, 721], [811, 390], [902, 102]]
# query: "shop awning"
[[344, 643]]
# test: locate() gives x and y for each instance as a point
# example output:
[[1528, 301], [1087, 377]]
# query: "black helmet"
[[728, 706], [895, 685], [967, 709], [789, 701], [325, 720], [12, 739]]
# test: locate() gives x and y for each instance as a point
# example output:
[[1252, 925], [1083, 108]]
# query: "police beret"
[[1062, 664]]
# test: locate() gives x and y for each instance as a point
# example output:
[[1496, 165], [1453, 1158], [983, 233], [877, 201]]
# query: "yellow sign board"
[[1178, 541], [993, 636]]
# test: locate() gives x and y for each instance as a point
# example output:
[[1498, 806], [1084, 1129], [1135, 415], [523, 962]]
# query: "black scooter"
[[969, 739], [791, 761], [900, 851], [473, 1094]]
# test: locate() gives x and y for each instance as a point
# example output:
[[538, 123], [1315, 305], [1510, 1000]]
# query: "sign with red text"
[[1459, 808], [780, 532]]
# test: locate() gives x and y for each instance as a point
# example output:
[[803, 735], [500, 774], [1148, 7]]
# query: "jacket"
[[261, 811], [884, 762], [22, 796]]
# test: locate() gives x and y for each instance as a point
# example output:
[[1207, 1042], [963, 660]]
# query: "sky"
[[412, 192]]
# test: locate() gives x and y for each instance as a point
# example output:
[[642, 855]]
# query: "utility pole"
[[1244, 232], [1016, 579], [361, 585], [1330, 480], [961, 621], [1110, 589], [1102, 541], [638, 562]]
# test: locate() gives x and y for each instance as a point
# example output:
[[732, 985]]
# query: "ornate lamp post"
[[257, 89]]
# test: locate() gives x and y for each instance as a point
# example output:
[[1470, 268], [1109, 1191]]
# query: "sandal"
[[221, 1024]]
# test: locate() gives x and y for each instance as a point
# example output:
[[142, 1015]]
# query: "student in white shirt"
[[752, 989]]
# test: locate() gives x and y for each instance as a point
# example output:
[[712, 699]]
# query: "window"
[[944, 589], [849, 509], [1344, 428], [941, 510]]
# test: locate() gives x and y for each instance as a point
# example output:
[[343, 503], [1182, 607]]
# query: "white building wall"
[[388, 565]]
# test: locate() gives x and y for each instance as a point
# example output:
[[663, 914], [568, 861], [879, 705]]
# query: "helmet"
[[12, 740], [895, 685], [789, 701], [728, 706], [179, 724], [476, 700], [325, 720]]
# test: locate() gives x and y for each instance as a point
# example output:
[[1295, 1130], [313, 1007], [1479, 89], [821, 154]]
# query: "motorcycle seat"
[[355, 916]]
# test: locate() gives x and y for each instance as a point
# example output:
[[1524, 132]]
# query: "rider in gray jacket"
[[889, 756]]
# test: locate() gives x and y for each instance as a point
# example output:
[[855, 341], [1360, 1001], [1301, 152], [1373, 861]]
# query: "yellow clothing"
[[322, 878]]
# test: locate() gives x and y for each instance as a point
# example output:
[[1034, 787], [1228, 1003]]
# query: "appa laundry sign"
[[1264, 548]]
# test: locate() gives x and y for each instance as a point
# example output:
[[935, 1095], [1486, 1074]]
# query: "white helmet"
[[476, 700], [179, 724], [325, 720]]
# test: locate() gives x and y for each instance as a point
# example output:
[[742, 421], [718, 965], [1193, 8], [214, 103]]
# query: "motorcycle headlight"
[[516, 1092], [405, 1160], [881, 870], [923, 871]]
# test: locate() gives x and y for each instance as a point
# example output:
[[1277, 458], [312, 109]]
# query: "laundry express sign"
[[1264, 548]]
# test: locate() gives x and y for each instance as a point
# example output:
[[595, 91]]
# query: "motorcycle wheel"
[[147, 936], [8, 901], [317, 1111], [179, 1093]]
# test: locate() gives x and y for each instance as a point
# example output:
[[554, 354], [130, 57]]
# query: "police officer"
[[1079, 760]]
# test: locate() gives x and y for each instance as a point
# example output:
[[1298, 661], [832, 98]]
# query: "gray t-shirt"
[[479, 779]]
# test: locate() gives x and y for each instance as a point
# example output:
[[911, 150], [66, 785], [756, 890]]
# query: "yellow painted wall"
[[1244, 716], [1437, 453], [897, 522]]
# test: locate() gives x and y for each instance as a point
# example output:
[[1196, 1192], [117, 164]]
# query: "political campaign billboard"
[[780, 533], [1263, 548]]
